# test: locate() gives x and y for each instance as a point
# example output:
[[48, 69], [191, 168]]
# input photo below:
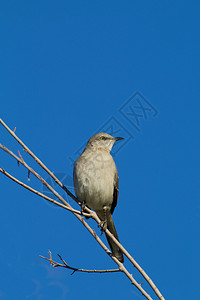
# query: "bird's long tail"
[[114, 248]]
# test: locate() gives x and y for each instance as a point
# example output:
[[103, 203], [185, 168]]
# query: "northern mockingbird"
[[96, 182]]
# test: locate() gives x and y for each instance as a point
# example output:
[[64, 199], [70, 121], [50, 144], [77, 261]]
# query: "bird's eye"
[[102, 138]]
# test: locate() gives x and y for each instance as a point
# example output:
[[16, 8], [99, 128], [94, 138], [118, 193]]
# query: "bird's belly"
[[94, 180], [96, 191]]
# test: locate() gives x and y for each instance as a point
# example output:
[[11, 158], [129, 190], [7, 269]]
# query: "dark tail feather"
[[114, 248]]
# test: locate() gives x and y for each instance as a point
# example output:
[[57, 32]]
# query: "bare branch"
[[147, 278], [121, 266], [132, 260], [91, 213]]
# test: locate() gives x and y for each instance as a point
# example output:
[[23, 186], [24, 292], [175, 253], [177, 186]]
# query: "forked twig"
[[65, 265]]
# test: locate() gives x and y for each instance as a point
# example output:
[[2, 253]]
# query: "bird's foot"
[[83, 205], [103, 226]]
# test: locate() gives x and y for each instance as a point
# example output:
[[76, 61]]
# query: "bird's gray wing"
[[115, 192]]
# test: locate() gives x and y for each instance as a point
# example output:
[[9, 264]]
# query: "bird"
[[96, 183]]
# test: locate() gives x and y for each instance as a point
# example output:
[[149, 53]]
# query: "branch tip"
[[73, 272], [20, 155]]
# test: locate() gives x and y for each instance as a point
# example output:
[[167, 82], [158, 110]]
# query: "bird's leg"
[[83, 205], [103, 223]]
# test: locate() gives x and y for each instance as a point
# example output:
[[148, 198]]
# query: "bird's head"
[[102, 141]]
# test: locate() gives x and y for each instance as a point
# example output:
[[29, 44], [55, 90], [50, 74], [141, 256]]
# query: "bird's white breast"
[[93, 179]]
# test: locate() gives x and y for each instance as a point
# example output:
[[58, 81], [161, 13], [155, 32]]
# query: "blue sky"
[[69, 69]]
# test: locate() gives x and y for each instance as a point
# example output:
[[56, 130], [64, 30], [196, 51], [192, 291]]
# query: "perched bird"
[[96, 182]]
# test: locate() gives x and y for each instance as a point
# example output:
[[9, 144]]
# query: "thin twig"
[[22, 162], [65, 265], [38, 160], [42, 195]]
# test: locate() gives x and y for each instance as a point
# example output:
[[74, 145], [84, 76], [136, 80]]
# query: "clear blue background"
[[66, 67]]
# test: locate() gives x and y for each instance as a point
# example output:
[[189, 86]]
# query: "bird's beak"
[[119, 138]]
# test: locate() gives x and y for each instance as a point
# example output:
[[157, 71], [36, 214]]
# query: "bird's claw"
[[103, 226], [83, 205]]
